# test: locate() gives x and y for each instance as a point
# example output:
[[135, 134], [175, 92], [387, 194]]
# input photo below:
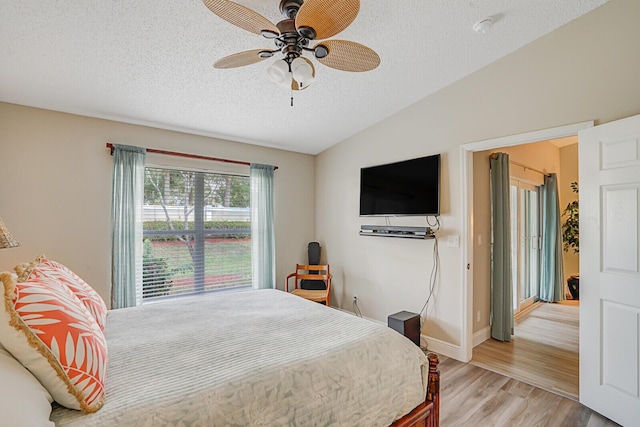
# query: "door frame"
[[466, 162]]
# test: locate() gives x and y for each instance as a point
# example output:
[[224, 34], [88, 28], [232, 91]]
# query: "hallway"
[[544, 351]]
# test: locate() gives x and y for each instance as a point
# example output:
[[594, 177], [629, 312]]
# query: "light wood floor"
[[543, 352], [473, 396]]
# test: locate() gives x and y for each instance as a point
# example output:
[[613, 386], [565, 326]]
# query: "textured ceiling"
[[150, 62]]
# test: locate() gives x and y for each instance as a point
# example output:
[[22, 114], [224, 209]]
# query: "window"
[[525, 243], [196, 232]]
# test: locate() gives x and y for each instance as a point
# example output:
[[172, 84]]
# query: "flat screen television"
[[410, 187]]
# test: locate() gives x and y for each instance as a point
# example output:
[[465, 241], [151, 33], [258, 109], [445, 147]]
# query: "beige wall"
[[543, 156], [55, 182], [586, 70], [569, 166]]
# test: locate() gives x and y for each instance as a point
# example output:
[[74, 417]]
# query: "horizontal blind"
[[192, 244]]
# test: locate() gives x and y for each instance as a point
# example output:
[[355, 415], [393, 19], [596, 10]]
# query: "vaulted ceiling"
[[150, 62]]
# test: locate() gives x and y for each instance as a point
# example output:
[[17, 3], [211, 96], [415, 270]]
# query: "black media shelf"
[[397, 231]]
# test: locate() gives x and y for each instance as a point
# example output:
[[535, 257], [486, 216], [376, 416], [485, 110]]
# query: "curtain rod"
[[190, 156], [495, 156]]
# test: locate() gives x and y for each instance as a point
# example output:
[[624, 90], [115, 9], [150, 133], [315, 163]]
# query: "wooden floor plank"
[[530, 381], [473, 396], [544, 351]]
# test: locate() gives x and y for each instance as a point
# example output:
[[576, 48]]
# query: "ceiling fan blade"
[[241, 16], [239, 59], [327, 17], [349, 56]]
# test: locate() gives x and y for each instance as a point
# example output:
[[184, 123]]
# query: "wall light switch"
[[479, 239], [453, 241]]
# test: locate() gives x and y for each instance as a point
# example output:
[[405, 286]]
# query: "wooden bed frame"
[[427, 414]]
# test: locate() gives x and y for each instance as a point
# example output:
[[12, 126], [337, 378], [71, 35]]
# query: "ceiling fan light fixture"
[[279, 72], [305, 20], [303, 72]]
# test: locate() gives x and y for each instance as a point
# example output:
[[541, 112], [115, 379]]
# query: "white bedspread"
[[255, 358]]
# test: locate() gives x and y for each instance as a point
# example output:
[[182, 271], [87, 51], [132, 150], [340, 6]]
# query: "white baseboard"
[[441, 347], [481, 336]]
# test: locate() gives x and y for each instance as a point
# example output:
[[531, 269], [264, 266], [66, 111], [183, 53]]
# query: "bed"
[[258, 358], [222, 359]]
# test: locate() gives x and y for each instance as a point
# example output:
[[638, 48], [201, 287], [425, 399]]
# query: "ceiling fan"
[[305, 21]]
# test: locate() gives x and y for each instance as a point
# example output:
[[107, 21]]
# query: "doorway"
[[471, 238], [541, 331]]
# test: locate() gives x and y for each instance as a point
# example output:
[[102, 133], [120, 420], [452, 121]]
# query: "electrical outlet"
[[355, 299]]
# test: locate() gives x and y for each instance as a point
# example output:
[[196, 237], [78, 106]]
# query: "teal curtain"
[[501, 287], [551, 263], [126, 225], [263, 257]]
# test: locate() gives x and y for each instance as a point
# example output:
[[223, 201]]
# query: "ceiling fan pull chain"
[[292, 97]]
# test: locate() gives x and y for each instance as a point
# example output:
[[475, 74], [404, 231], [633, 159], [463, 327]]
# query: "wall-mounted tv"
[[410, 187]]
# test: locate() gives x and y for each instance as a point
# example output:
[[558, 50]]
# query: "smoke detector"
[[483, 26]]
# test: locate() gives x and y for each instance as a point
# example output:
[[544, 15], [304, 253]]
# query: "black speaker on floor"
[[407, 323]]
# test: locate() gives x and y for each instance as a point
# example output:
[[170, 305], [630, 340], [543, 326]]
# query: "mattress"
[[254, 358]]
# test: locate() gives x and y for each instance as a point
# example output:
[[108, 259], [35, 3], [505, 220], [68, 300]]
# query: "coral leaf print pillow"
[[52, 334], [85, 293]]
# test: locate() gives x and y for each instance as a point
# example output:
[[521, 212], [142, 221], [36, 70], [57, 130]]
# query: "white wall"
[[55, 187], [586, 70], [569, 165]]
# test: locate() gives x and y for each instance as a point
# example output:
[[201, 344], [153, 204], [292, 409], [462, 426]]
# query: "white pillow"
[[23, 400]]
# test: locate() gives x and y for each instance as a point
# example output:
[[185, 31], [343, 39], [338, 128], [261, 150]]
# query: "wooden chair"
[[312, 282]]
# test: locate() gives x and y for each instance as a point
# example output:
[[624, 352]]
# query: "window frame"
[[199, 234]]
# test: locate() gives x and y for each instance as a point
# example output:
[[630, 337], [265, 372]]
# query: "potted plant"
[[571, 225], [571, 237]]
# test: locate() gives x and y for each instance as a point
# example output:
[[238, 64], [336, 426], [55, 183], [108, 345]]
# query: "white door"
[[609, 159]]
